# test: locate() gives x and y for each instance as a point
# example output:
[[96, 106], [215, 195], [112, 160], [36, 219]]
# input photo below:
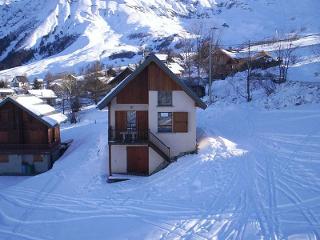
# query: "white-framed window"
[[164, 121], [164, 98]]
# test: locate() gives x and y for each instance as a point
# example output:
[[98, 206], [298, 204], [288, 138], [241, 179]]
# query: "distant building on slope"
[[29, 135], [47, 95], [19, 82], [152, 119]]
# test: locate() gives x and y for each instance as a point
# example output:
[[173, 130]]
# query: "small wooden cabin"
[[29, 135]]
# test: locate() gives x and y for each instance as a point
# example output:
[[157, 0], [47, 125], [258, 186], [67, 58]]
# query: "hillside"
[[65, 35]]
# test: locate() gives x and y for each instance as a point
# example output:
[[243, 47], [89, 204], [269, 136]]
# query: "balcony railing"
[[132, 136], [127, 136]]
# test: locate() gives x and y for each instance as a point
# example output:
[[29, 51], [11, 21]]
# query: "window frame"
[[162, 128], [167, 95], [132, 126]]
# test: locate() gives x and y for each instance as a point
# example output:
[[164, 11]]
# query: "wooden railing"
[[159, 144], [132, 136], [127, 136]]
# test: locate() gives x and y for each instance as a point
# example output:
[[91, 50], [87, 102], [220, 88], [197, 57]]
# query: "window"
[[4, 158], [131, 120], [164, 98], [164, 122]]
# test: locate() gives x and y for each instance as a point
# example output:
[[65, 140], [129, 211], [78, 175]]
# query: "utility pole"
[[210, 67]]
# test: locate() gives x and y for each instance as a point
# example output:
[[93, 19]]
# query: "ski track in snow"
[[256, 179]]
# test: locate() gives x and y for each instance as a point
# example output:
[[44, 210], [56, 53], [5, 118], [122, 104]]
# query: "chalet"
[[152, 119], [20, 82], [224, 63], [47, 95], [4, 92], [29, 135]]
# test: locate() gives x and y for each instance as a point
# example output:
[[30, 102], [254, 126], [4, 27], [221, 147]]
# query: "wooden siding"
[[180, 122], [138, 160], [159, 80], [136, 92], [19, 127]]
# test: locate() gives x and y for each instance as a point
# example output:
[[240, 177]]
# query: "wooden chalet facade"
[[151, 119], [29, 135]]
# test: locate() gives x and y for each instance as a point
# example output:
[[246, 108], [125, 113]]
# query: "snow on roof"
[[6, 90], [162, 56], [175, 68], [42, 110], [229, 53], [43, 93]]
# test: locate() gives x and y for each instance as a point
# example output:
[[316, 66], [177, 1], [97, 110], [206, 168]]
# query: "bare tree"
[[4, 84], [209, 65], [49, 78], [248, 71], [71, 93], [199, 39], [93, 83], [187, 53], [285, 57]]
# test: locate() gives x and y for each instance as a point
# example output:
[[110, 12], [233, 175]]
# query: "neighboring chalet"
[[152, 119], [19, 82], [29, 135], [47, 95], [224, 63]]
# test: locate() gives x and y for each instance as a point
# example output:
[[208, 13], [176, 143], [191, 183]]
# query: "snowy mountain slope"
[[64, 35], [257, 179]]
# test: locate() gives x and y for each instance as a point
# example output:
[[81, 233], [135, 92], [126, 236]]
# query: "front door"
[[138, 160]]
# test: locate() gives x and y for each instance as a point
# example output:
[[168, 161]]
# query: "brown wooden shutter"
[[50, 135], [180, 122], [121, 120], [142, 124]]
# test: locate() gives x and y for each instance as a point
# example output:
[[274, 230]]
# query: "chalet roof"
[[37, 108], [43, 93], [151, 58], [6, 90], [122, 75]]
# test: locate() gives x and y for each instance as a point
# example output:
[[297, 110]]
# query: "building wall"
[[178, 142], [155, 160], [119, 159], [15, 164]]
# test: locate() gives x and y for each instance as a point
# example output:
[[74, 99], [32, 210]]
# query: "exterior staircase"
[[159, 147]]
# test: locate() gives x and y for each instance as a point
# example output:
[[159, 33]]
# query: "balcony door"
[[132, 121]]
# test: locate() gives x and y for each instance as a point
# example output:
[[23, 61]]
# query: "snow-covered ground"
[[256, 176]]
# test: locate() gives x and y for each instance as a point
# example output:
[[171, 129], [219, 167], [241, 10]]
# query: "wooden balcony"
[[129, 136], [132, 136]]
